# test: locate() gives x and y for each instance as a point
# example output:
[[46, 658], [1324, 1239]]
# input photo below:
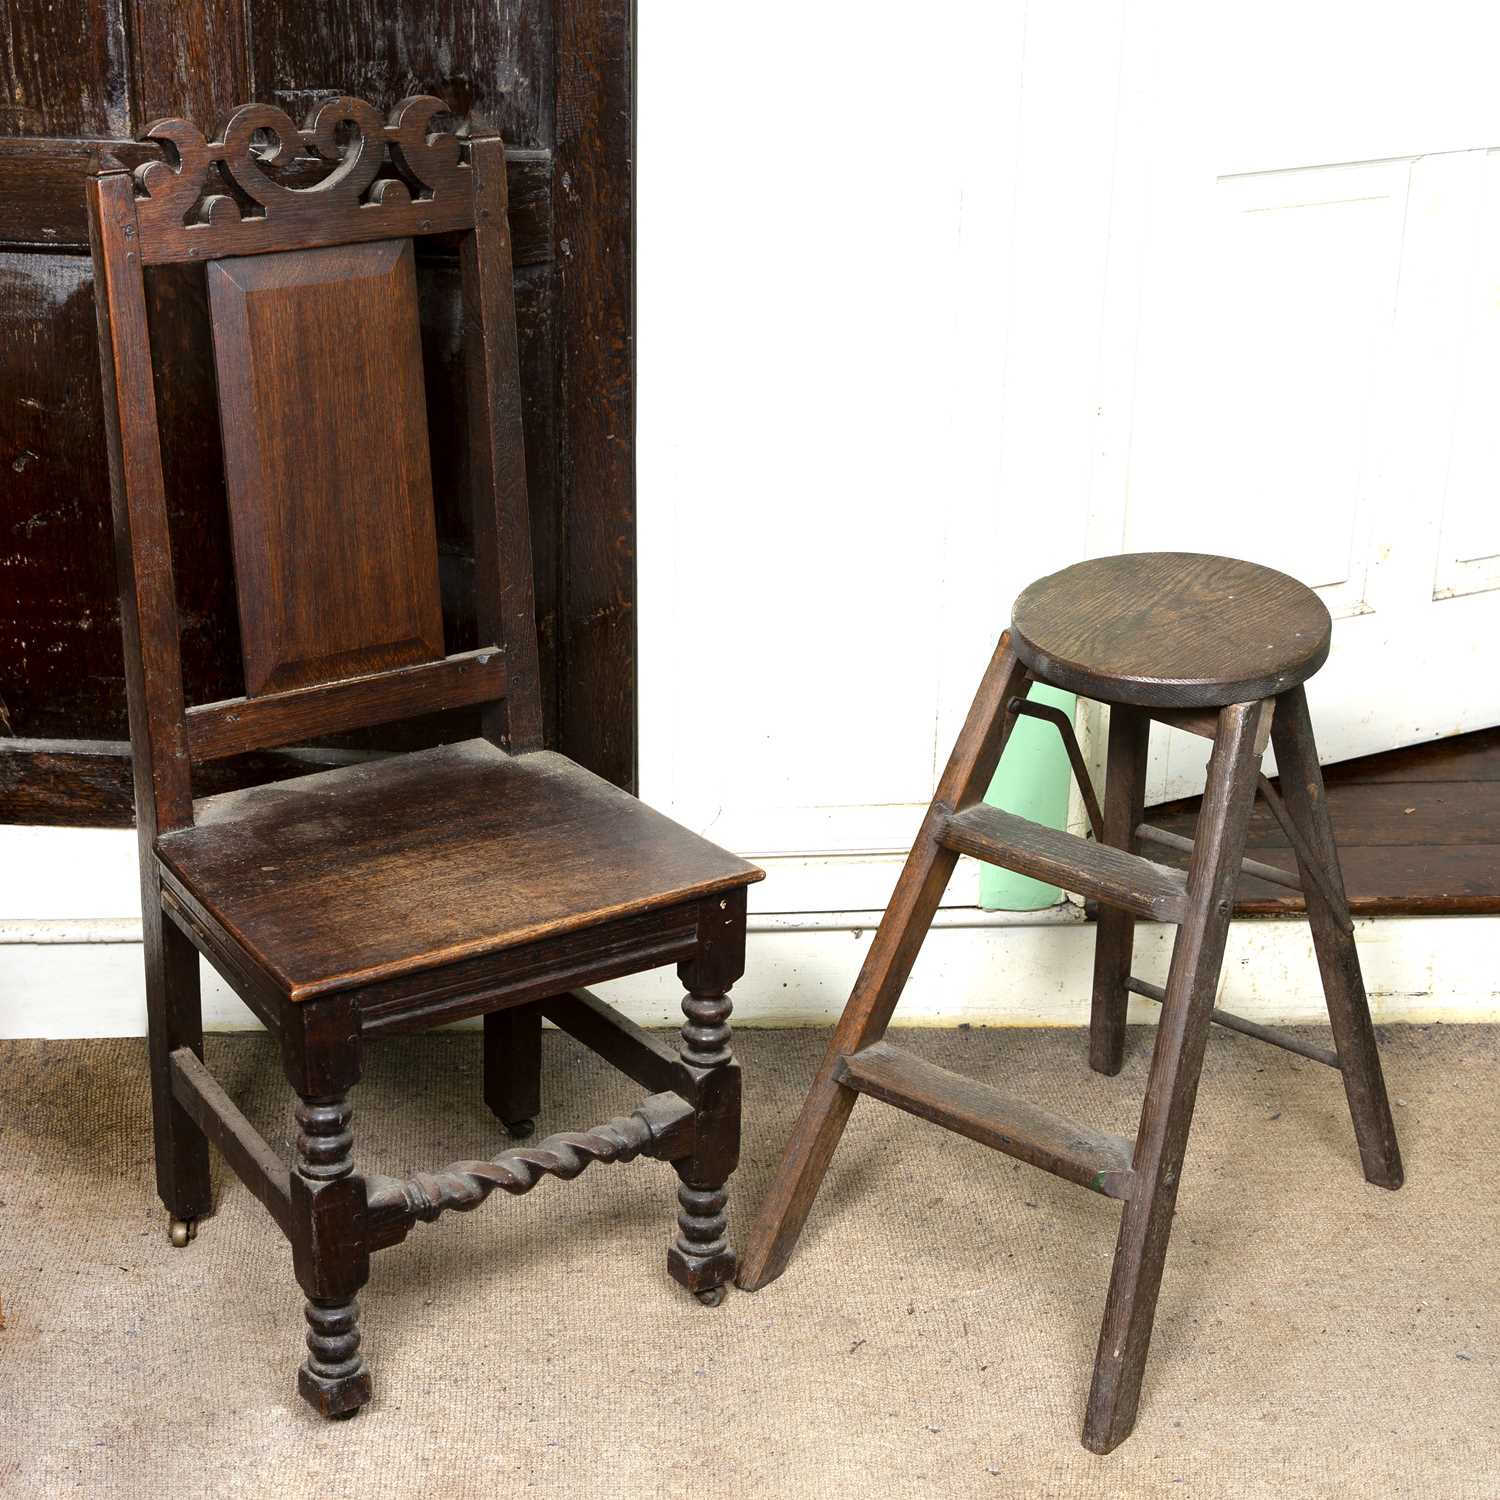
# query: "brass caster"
[[180, 1231], [711, 1296], [520, 1129]]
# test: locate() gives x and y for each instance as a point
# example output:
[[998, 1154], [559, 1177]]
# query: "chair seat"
[[348, 877], [1171, 630]]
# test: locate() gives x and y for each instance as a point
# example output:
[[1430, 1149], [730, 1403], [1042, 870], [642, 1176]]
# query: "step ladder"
[[1142, 1173]]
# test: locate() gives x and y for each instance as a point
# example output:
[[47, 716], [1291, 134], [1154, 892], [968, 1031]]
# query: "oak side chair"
[[488, 877], [1210, 645]]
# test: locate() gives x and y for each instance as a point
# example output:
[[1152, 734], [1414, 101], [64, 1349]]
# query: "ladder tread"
[[1092, 1158], [1127, 881]]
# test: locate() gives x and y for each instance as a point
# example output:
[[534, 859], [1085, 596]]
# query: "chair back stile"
[[143, 552], [314, 316]]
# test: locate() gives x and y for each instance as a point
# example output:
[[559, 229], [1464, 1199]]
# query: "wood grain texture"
[[617, 946], [1465, 758], [335, 549], [51, 782], [192, 449], [41, 186], [1171, 629], [60, 664], [1386, 814], [243, 1147], [593, 188], [285, 718], [505, 611], [188, 58], [1135, 884], [1093, 1159], [1418, 833], [63, 69], [446, 360], [346, 878], [488, 58], [143, 545]]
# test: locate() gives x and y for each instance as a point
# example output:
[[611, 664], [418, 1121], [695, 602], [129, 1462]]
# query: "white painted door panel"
[[1319, 366], [1027, 282]]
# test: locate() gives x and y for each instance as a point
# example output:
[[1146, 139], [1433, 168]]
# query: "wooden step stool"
[[1205, 644]]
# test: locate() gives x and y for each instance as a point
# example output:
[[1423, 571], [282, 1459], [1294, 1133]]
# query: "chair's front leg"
[[329, 1244], [700, 1257]]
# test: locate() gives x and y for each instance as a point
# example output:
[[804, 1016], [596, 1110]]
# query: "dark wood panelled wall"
[[81, 76]]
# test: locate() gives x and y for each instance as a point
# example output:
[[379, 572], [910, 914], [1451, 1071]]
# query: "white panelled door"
[[1317, 375], [1027, 282]]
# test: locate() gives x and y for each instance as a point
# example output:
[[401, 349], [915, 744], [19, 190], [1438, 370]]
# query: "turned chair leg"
[[1114, 942], [1172, 1087], [320, 1043], [513, 1067], [897, 941], [174, 1019], [1301, 781], [699, 1256]]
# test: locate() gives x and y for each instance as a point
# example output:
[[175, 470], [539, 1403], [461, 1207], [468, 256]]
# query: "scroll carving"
[[388, 179]]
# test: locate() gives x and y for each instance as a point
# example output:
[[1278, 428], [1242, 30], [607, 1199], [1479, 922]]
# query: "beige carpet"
[[1316, 1336]]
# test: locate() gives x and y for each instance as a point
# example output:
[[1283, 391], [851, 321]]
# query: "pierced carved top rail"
[[389, 179]]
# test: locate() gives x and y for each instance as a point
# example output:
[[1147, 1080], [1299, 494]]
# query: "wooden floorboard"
[[1418, 830]]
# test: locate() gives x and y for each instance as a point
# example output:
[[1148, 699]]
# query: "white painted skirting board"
[[83, 978]]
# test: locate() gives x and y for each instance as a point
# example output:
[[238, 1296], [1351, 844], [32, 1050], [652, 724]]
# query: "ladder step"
[[1091, 1158], [1232, 1022], [1127, 881]]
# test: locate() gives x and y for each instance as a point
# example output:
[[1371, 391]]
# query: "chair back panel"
[[319, 363], [313, 306]]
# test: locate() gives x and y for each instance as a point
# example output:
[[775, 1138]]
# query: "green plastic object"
[[1031, 781]]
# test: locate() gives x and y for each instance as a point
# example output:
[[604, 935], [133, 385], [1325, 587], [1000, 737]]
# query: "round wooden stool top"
[[1171, 630]]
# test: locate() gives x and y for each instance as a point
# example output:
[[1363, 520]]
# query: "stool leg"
[[1114, 940], [1172, 1086], [1338, 958], [513, 1067], [889, 962]]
